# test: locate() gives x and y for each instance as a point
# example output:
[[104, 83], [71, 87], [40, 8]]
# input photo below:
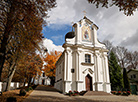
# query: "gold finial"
[[84, 13], [72, 25]]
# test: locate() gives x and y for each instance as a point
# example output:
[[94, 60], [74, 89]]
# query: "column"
[[108, 85], [98, 83]]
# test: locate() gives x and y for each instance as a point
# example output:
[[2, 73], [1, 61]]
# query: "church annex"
[[83, 65]]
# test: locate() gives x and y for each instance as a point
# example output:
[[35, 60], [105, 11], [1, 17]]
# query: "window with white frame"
[[87, 58]]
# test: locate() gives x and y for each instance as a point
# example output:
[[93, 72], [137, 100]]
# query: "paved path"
[[49, 94]]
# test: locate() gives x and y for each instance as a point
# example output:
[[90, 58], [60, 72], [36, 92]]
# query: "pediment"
[[88, 70]]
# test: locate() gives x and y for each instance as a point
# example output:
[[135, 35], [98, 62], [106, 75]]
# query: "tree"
[[29, 67], [126, 80], [121, 54], [21, 21], [50, 67], [133, 60], [109, 45], [128, 6], [116, 78]]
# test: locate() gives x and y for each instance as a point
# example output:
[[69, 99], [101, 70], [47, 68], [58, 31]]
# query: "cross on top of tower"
[[84, 13]]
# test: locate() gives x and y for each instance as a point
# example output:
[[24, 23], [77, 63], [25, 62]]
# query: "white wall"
[[14, 85]]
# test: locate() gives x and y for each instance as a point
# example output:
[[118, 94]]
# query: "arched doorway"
[[88, 82]]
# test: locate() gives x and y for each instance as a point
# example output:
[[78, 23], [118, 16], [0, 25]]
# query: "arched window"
[[87, 58]]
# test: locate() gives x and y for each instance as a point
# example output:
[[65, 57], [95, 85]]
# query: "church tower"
[[83, 64]]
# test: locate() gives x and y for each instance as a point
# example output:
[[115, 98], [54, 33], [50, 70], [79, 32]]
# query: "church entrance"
[[88, 81]]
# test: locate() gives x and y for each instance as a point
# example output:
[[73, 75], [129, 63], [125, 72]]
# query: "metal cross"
[[84, 12]]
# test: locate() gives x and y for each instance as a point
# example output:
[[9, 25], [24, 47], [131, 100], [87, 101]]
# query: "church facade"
[[83, 65]]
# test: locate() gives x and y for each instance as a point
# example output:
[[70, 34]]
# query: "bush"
[[118, 93], [11, 99], [27, 89], [125, 93], [128, 92], [114, 92], [30, 88], [70, 93], [22, 92]]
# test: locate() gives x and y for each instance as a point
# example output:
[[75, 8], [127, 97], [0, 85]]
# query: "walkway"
[[49, 94]]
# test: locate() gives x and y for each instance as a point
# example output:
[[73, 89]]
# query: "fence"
[[14, 85]]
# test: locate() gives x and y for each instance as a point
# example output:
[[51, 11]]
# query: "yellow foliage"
[[51, 59]]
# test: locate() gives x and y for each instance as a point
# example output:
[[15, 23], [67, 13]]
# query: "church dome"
[[70, 35]]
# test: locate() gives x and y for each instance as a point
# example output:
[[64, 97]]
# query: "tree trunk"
[[10, 76], [29, 81], [24, 82], [3, 52], [4, 41]]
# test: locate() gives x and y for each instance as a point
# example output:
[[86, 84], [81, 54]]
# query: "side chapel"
[[83, 65]]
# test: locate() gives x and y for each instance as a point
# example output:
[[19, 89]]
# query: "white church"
[[83, 66]]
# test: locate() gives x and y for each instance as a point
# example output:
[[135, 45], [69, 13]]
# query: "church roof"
[[88, 20], [70, 35]]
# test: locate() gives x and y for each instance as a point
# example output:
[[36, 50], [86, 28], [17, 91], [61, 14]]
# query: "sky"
[[113, 25]]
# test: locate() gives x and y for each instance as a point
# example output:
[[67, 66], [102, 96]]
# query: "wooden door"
[[88, 81]]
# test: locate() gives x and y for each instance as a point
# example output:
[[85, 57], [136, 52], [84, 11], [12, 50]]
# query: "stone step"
[[96, 93]]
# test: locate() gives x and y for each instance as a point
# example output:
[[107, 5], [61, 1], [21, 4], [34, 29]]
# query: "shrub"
[[70, 93], [74, 93], [27, 89], [125, 93], [118, 93], [128, 92], [114, 92], [22, 92], [11, 99], [30, 88]]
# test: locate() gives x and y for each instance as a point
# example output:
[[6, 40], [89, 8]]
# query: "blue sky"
[[119, 29], [56, 35]]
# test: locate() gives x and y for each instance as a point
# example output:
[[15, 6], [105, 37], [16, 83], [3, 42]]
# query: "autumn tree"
[[50, 67], [127, 6], [28, 68], [21, 21]]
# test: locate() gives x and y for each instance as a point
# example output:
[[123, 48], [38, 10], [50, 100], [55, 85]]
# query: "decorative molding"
[[67, 81], [98, 83], [89, 70], [80, 81], [83, 63]]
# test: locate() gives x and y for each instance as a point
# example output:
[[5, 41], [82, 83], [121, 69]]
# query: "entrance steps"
[[94, 93]]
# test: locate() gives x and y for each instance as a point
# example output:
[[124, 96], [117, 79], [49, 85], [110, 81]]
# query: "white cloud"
[[51, 46], [57, 38], [114, 25]]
